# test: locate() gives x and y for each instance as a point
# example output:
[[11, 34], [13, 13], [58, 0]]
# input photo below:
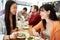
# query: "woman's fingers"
[[14, 35]]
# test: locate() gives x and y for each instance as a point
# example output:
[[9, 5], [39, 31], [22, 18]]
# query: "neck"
[[10, 16], [46, 17], [48, 20], [35, 12]]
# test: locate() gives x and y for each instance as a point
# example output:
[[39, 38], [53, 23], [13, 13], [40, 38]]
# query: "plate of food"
[[25, 28], [33, 38], [21, 36], [30, 38]]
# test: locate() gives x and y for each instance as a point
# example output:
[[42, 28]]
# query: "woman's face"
[[13, 9], [44, 14]]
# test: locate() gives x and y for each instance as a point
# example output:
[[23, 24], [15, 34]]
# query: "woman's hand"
[[11, 36], [14, 30], [35, 33], [14, 35]]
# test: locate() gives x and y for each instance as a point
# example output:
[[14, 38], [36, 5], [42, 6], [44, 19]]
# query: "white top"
[[2, 27]]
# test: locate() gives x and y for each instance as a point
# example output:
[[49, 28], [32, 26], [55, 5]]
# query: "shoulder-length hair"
[[52, 15]]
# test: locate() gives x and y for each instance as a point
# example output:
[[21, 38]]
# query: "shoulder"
[[56, 23], [56, 26]]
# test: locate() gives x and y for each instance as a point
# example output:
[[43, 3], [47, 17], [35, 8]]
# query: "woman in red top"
[[34, 16]]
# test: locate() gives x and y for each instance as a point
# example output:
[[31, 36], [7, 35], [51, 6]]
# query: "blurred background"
[[28, 3]]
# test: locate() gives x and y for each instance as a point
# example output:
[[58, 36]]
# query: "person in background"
[[34, 16], [8, 29], [49, 25], [22, 15]]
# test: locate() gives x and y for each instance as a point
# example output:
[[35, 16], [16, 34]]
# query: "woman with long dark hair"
[[49, 25], [10, 21], [10, 16]]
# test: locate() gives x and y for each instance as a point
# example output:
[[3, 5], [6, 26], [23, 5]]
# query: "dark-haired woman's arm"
[[3, 32], [38, 26], [11, 36]]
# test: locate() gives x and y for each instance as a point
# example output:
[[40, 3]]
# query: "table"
[[27, 29], [28, 32]]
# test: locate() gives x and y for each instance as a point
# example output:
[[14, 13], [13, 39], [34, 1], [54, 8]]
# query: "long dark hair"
[[7, 14], [52, 15]]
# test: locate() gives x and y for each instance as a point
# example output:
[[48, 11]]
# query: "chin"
[[14, 13]]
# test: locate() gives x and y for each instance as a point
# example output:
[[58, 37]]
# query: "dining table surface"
[[26, 29]]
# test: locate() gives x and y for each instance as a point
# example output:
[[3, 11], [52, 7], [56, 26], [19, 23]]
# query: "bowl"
[[21, 38]]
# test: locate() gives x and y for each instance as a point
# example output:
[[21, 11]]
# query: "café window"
[[56, 4], [1, 2]]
